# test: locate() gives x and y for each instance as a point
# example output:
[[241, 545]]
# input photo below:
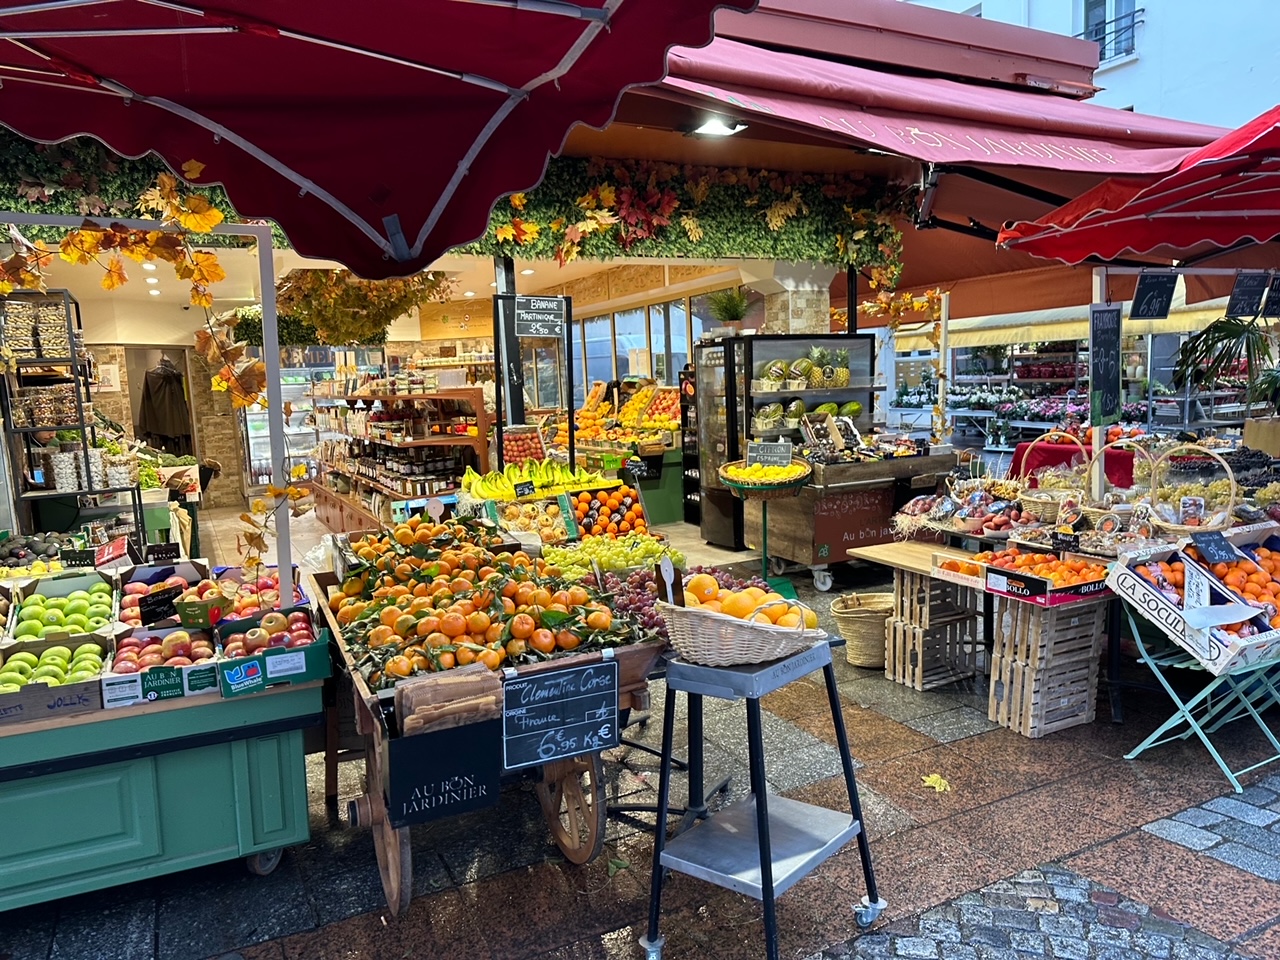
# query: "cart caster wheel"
[[264, 863], [867, 913], [822, 580], [777, 566], [652, 949]]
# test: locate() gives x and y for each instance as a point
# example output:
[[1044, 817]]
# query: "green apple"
[[96, 622], [49, 670], [36, 599], [77, 623], [30, 613], [78, 595], [99, 610], [27, 628], [49, 681], [93, 648], [77, 607], [53, 662], [52, 617], [24, 656], [56, 603], [15, 678], [18, 666], [9, 688], [79, 676], [100, 588], [60, 652]]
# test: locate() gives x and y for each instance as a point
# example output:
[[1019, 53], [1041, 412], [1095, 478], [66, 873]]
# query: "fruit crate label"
[[1214, 547], [525, 488], [540, 316], [776, 454], [162, 552], [559, 714], [286, 664], [154, 607], [78, 558]]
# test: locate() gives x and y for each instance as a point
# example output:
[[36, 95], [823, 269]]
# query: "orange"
[[789, 620], [453, 625], [380, 635], [403, 535], [399, 666], [478, 622], [738, 605], [542, 640], [567, 640], [522, 626], [389, 615], [599, 619], [405, 626], [703, 586]]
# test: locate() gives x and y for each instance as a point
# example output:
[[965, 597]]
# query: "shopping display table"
[[105, 798], [764, 845]]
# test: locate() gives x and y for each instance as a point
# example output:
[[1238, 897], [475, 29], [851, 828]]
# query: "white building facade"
[[1207, 63]]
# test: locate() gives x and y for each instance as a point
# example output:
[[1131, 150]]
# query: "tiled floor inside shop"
[[1054, 848]]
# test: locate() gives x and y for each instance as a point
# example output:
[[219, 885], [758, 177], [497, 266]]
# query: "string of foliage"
[[81, 177], [344, 309], [609, 208], [293, 332]]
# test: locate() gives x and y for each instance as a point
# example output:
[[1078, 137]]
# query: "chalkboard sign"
[[429, 777], [540, 316], [1065, 541], [777, 454], [1246, 295], [1214, 547], [78, 558], [1272, 308], [525, 488], [1104, 362], [162, 552], [1152, 299], [559, 714], [154, 607]]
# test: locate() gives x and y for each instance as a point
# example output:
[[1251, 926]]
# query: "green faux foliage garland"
[[603, 209]]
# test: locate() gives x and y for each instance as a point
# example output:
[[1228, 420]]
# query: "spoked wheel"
[[395, 860], [572, 796]]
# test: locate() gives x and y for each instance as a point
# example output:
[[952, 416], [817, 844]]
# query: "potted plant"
[[728, 306]]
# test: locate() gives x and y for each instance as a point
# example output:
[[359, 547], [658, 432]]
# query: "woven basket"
[[766, 491], [1046, 503], [719, 640], [1094, 512], [1223, 517], [861, 620]]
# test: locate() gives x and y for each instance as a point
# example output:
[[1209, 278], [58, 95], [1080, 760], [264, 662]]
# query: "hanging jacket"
[[164, 411]]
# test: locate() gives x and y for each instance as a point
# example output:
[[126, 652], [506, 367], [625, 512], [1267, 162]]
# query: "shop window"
[[669, 337], [631, 343], [597, 334]]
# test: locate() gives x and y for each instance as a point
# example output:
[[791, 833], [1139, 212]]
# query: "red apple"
[[151, 647], [299, 616], [298, 640], [244, 612], [256, 639], [176, 581], [127, 656], [302, 629], [206, 587], [274, 622], [202, 660], [233, 650], [129, 602], [266, 583], [177, 644], [125, 666], [278, 639], [129, 643], [150, 660], [137, 588], [236, 638], [178, 662]]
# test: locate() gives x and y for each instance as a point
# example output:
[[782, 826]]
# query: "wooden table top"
[[909, 556]]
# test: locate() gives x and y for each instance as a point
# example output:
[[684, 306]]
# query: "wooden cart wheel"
[[572, 796], [395, 859]]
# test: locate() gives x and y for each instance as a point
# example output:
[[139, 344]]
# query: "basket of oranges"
[[718, 628]]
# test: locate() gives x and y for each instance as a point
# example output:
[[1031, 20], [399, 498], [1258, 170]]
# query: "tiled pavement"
[[1073, 852]]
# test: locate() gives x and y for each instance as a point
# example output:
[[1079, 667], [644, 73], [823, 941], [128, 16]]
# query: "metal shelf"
[[1022, 380], [50, 494]]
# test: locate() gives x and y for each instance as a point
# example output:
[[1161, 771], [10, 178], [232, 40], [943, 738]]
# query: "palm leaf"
[[729, 305], [1217, 349]]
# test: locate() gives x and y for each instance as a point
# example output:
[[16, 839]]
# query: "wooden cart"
[[570, 790]]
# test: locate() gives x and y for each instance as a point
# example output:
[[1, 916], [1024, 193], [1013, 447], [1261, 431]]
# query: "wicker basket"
[[1046, 503], [766, 491], [1222, 517], [861, 620], [719, 640], [1094, 512]]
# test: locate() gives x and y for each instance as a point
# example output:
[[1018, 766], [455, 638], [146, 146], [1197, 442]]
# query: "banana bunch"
[[548, 477]]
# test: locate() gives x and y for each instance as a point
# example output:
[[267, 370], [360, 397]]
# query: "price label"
[[78, 558], [540, 316], [1247, 293], [1104, 361], [1272, 309], [558, 714], [777, 454], [162, 552], [525, 488], [154, 607], [1154, 296], [1214, 547], [1065, 541]]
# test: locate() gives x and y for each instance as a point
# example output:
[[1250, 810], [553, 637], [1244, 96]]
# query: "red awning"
[[377, 135], [929, 118], [1222, 195]]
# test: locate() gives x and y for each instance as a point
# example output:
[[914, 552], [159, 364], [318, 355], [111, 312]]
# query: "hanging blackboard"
[[1154, 296], [559, 714], [162, 552], [540, 316], [1246, 295], [769, 454], [154, 607], [1104, 362], [1271, 309]]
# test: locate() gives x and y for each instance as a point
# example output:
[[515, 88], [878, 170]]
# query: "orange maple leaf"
[[505, 233], [525, 232], [206, 268], [192, 169], [80, 246], [166, 246], [115, 275], [518, 200], [198, 214]]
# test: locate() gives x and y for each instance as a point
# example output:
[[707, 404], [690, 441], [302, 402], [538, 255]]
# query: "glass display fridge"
[[756, 388]]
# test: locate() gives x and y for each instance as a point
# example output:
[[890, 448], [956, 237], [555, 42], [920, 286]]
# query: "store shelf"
[[1022, 380], [1057, 353], [1034, 424], [725, 850], [971, 414], [43, 361], [50, 494], [980, 377]]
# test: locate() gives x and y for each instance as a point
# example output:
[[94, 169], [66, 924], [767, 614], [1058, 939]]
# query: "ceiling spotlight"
[[152, 280], [468, 293], [493, 283], [154, 293], [719, 127], [148, 266], [526, 271]]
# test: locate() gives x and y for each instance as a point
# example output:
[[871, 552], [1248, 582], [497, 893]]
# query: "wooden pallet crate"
[[924, 601], [927, 657], [1044, 666]]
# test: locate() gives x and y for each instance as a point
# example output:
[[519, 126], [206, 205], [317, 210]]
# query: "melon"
[[830, 408], [800, 368], [770, 411], [851, 409], [796, 409], [775, 370]]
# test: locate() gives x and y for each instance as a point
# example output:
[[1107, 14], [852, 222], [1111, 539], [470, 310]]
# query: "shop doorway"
[[159, 381]]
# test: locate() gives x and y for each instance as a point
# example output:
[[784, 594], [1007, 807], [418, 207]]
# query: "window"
[[669, 339], [631, 343], [1112, 25], [598, 348]]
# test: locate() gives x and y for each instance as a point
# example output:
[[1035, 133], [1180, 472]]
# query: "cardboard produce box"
[[153, 575], [60, 588], [273, 666], [40, 701], [1041, 591], [158, 682]]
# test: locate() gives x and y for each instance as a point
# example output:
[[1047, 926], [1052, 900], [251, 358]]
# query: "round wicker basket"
[[1046, 503], [719, 640], [860, 618], [1218, 519], [1093, 512], [766, 491]]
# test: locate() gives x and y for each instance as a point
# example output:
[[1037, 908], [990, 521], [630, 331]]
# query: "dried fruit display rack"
[[139, 782], [570, 790]]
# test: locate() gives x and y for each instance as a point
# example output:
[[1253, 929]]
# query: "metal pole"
[[1097, 480], [944, 362], [275, 408], [568, 377], [499, 399]]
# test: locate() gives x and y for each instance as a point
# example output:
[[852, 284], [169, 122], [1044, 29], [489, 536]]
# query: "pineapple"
[[819, 358], [841, 363]]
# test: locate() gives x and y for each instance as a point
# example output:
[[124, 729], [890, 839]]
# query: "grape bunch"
[[632, 550], [727, 580], [636, 596]]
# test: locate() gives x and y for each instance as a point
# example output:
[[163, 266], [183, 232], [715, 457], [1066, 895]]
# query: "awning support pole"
[[275, 411], [944, 364], [1097, 478]]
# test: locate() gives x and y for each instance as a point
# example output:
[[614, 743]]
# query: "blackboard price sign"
[[78, 558], [540, 316], [154, 607], [777, 454], [1246, 295], [525, 488], [1272, 308], [559, 714], [162, 552], [1104, 362], [1214, 547], [1154, 296], [1065, 541]]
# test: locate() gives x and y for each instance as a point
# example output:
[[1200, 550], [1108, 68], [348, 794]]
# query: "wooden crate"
[[925, 601], [1044, 666], [927, 657]]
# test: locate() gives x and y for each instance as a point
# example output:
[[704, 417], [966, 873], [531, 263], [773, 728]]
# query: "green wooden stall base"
[[664, 494], [82, 825]]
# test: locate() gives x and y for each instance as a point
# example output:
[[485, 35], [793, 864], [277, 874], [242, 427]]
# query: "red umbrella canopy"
[[377, 134], [1221, 195]]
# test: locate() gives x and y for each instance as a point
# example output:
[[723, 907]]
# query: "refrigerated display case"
[[718, 383]]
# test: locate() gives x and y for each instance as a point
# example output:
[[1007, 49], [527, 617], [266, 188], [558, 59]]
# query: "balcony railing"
[[1115, 38]]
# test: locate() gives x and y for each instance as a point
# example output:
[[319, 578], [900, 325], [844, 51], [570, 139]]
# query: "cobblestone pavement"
[[1242, 830], [1048, 912]]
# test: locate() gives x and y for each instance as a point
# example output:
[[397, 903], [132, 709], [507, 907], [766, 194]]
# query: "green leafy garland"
[[611, 208], [345, 309], [293, 332]]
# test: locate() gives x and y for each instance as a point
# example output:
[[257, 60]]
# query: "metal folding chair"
[[1247, 690]]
